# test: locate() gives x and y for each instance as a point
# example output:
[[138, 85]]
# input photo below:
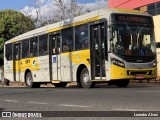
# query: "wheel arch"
[[79, 70], [25, 74]]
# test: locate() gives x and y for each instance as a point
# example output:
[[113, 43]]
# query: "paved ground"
[[136, 97], [73, 84]]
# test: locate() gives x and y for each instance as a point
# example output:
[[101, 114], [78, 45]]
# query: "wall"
[[157, 27], [129, 4]]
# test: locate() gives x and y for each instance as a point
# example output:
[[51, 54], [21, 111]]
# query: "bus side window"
[[8, 52], [67, 42], [33, 47], [65, 47], [81, 37], [43, 43], [25, 48]]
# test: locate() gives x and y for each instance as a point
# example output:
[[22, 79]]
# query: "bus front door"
[[16, 62], [54, 57], [97, 43]]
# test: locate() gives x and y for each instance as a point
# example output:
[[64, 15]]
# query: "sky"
[[27, 7], [14, 4], [21, 4]]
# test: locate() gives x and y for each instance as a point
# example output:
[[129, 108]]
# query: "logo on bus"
[[34, 64], [54, 60]]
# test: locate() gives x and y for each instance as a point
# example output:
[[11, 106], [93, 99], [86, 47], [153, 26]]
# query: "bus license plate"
[[139, 77]]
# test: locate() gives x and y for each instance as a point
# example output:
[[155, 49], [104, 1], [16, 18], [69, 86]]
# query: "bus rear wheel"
[[30, 83], [6, 82], [60, 85], [122, 83], [85, 79]]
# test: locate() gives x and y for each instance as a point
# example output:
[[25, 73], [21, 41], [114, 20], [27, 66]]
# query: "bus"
[[106, 45]]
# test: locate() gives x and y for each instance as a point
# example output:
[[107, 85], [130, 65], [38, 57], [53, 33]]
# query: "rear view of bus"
[[132, 50]]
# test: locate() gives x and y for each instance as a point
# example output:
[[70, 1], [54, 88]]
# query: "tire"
[[122, 83], [30, 83], [85, 79], [6, 82], [79, 84], [60, 85]]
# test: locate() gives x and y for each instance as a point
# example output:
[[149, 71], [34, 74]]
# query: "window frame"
[[62, 51], [47, 37], [36, 38], [11, 52], [28, 48], [87, 36]]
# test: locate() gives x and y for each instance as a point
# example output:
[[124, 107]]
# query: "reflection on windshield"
[[132, 40]]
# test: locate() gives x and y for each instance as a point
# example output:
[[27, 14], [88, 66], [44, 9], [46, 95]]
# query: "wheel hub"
[[86, 78], [28, 81]]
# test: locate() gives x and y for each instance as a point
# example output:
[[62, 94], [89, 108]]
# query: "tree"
[[70, 9], [56, 11], [12, 23]]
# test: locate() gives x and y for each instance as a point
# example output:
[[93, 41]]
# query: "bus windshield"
[[128, 40]]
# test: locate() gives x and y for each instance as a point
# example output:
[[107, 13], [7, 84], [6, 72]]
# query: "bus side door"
[[55, 57], [98, 45], [16, 62]]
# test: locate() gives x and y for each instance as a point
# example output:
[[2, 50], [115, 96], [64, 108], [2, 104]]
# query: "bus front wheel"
[[122, 83], [85, 79]]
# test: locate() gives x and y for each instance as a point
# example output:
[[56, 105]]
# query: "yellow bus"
[[107, 45]]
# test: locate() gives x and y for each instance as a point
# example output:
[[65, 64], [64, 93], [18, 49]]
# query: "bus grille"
[[141, 59], [130, 72]]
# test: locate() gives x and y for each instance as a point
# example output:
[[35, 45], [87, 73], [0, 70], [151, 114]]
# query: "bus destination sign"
[[132, 18]]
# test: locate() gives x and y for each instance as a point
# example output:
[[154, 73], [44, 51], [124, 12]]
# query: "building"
[[150, 6], [147, 6]]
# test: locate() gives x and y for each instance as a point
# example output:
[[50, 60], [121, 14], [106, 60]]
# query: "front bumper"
[[126, 73]]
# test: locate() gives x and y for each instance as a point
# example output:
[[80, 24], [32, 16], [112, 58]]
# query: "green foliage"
[[12, 23]]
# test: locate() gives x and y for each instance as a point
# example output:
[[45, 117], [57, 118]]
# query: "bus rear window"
[[8, 51]]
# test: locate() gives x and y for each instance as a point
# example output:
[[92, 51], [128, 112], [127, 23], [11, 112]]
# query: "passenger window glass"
[[8, 52], [25, 48], [33, 47], [81, 37], [43, 45], [67, 42]]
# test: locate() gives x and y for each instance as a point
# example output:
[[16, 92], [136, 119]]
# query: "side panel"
[[74, 59], [8, 70], [38, 66], [8, 65], [42, 75], [158, 65], [67, 66]]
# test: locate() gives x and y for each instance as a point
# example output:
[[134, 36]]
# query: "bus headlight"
[[155, 64], [117, 62]]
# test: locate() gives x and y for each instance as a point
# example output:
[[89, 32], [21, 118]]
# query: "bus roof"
[[89, 17]]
